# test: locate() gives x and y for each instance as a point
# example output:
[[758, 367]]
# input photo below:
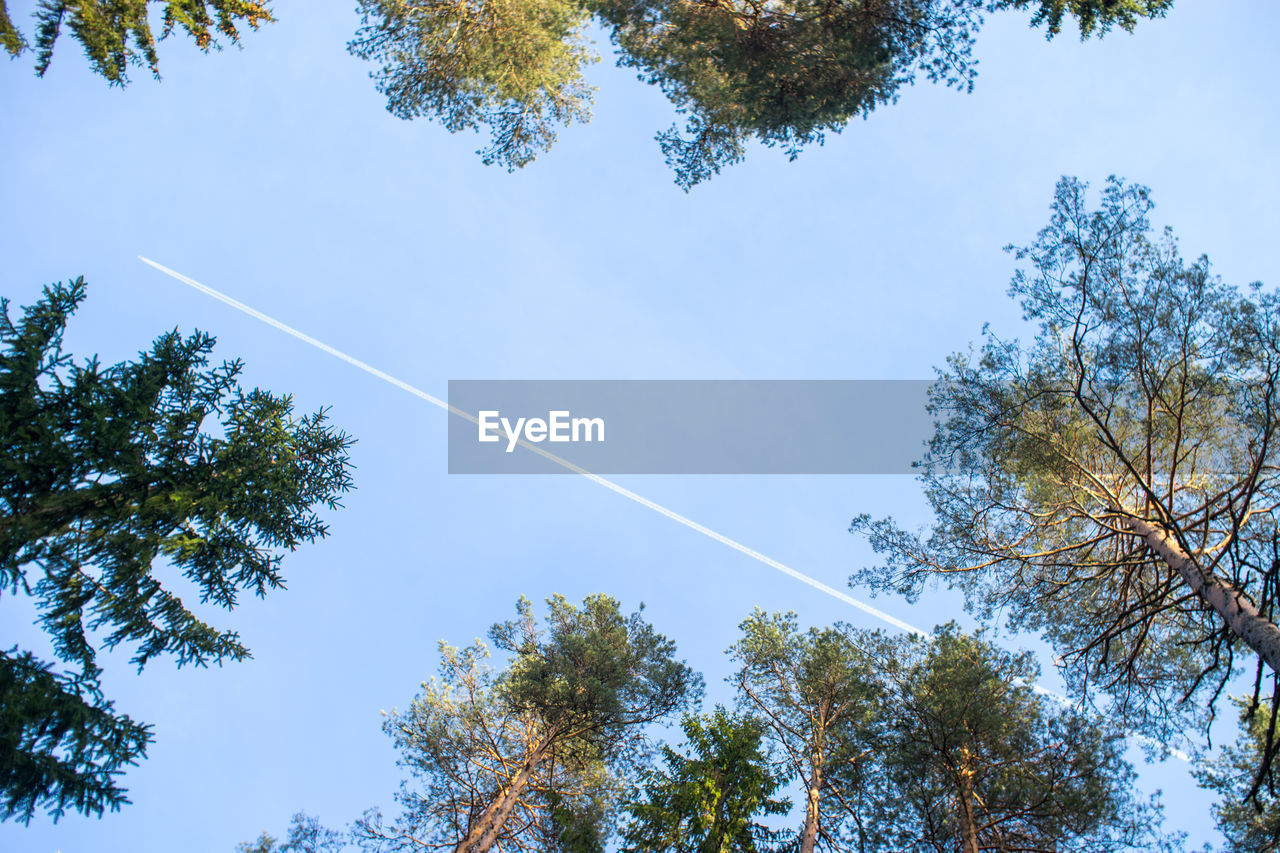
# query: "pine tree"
[[972, 759], [783, 73], [117, 34], [707, 801], [1112, 483], [512, 759], [107, 473]]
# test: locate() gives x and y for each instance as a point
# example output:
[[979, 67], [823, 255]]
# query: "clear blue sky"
[[275, 174]]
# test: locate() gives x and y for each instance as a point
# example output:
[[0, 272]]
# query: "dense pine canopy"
[[108, 474], [781, 73]]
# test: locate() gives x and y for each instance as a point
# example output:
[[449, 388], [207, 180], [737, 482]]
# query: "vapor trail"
[[595, 478]]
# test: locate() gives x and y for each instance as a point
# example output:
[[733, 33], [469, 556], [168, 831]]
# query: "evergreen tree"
[[708, 800], [117, 34], [1248, 782], [62, 745], [516, 759], [818, 693], [1113, 483], [783, 73], [973, 759], [514, 66], [105, 473], [306, 835]]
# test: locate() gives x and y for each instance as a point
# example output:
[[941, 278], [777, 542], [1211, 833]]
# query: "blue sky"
[[274, 173]]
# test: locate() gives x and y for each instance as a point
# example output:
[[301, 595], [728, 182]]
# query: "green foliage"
[[1092, 15], [10, 39], [456, 738], [579, 825], [1245, 778], [591, 671], [708, 800], [306, 835], [783, 73], [512, 65], [61, 744], [1111, 483], [117, 34], [971, 752], [105, 472], [526, 757], [819, 693], [264, 844], [899, 745]]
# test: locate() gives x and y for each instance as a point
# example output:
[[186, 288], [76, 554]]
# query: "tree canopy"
[[514, 66], [506, 758], [1246, 779], [901, 744], [781, 73], [818, 693], [1113, 483], [117, 34], [885, 745], [709, 800], [972, 758], [306, 835], [106, 474]]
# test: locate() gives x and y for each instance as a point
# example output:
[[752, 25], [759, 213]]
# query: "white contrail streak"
[[595, 478]]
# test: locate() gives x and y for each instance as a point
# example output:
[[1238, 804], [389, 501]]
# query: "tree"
[[513, 65], [61, 743], [1113, 483], [117, 34], [105, 473], [1248, 813], [581, 824], [707, 801], [306, 835], [973, 759], [781, 73], [506, 758], [817, 693], [1093, 16]]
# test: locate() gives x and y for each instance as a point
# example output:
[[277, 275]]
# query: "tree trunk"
[[486, 830], [1242, 617], [968, 825], [809, 838]]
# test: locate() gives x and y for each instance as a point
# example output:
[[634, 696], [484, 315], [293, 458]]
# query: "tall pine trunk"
[[968, 824], [486, 830], [1242, 617], [813, 794]]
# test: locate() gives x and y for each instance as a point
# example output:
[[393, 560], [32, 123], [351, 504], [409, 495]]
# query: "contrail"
[[595, 478]]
